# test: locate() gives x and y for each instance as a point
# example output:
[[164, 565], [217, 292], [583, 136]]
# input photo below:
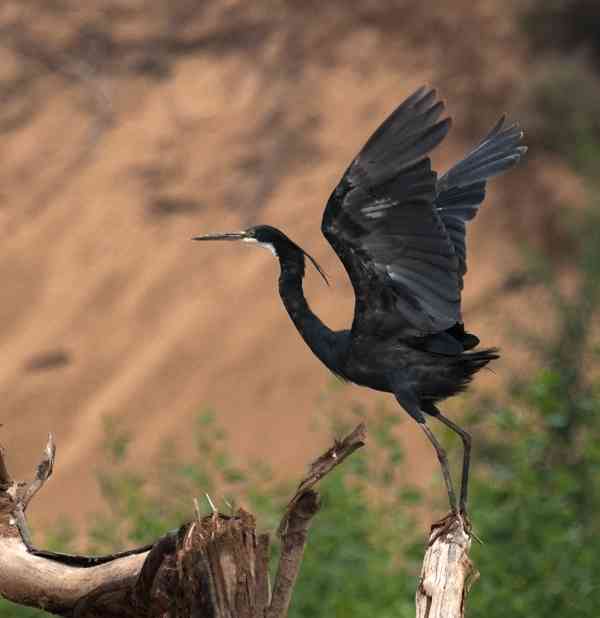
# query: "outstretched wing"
[[461, 190], [382, 222]]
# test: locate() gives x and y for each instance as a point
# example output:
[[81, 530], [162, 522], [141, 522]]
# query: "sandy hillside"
[[128, 128]]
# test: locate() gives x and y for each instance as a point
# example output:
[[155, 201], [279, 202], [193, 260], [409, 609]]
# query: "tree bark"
[[215, 566]]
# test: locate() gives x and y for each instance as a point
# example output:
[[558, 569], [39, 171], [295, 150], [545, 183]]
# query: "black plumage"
[[400, 230]]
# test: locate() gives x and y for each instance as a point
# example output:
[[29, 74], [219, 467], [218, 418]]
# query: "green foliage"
[[349, 569], [358, 559], [141, 507], [10, 610], [535, 494], [535, 505]]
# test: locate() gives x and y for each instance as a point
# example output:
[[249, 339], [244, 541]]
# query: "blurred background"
[[165, 369]]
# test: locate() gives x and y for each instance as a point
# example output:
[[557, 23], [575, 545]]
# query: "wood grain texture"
[[447, 572]]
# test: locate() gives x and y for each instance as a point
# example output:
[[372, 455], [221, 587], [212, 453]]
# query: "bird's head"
[[269, 238]]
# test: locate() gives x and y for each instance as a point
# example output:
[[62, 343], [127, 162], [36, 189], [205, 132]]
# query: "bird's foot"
[[454, 519], [443, 526], [466, 520], [467, 525]]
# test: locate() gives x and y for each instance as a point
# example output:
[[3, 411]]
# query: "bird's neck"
[[319, 338]]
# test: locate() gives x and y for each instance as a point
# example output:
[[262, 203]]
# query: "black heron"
[[400, 230]]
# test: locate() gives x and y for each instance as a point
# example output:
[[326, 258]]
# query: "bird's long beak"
[[225, 236]]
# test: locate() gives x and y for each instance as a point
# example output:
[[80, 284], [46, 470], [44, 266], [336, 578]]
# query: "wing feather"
[[461, 191], [382, 222]]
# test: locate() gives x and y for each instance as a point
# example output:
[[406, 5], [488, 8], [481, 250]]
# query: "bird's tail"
[[478, 360], [471, 362]]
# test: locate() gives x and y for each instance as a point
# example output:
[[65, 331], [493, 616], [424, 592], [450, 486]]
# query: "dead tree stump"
[[215, 566], [447, 573]]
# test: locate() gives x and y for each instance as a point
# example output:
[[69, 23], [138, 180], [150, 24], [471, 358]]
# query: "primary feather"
[[461, 190]]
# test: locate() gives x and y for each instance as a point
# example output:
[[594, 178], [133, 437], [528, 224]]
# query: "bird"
[[400, 233]]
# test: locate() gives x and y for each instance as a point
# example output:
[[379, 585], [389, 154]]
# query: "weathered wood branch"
[[214, 566], [298, 515], [324, 464], [447, 573]]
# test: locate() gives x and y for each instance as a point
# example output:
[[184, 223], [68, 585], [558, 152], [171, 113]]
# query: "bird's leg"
[[443, 459], [410, 403], [466, 440]]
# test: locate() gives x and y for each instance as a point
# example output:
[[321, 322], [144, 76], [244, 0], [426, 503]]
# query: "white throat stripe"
[[264, 245]]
